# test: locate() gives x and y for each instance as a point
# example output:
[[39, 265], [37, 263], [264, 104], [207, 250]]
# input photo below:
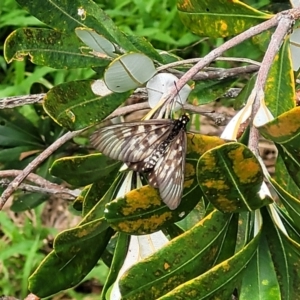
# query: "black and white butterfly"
[[156, 147]]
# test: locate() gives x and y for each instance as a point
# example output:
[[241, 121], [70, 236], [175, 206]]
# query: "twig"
[[196, 60], [10, 102], [60, 192], [44, 186], [218, 118], [36, 162], [32, 177], [284, 25], [218, 73]]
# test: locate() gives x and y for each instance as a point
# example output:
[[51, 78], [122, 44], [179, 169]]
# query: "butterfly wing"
[[168, 174], [131, 142]]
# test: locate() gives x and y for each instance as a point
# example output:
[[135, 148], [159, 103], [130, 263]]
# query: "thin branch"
[[62, 192], [284, 26], [11, 102], [32, 177], [35, 163], [44, 186], [218, 118], [196, 60], [221, 74]]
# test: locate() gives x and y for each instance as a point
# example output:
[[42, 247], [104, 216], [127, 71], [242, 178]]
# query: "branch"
[[44, 186], [219, 73], [285, 21], [219, 118], [62, 192], [196, 60], [11, 102], [34, 164]]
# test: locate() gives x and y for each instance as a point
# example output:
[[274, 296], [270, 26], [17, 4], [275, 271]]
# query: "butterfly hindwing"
[[168, 173]]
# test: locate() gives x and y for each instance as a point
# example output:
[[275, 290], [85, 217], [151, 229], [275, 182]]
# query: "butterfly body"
[[156, 147], [152, 160]]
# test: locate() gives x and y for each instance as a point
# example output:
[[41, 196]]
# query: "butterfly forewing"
[[131, 142]]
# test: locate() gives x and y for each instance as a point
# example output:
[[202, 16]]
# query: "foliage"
[[19, 253], [232, 235]]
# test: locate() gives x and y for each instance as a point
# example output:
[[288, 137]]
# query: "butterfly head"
[[185, 118]]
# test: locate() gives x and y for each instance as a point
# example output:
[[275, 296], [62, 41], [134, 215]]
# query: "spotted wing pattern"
[[157, 147], [131, 142], [168, 173]]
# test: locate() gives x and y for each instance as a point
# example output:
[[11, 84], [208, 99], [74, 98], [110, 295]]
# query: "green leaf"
[[284, 130], [16, 130], [78, 202], [208, 91], [14, 154], [280, 83], [231, 177], [198, 144], [185, 257], [50, 48], [83, 170], [70, 242], [99, 194], [229, 240], [289, 225], [240, 100], [226, 17], [142, 211], [245, 228], [259, 278], [117, 263], [75, 106], [145, 47], [23, 201], [218, 282], [66, 16], [286, 257], [68, 272], [288, 198]]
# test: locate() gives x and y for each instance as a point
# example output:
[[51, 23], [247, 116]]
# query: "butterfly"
[[156, 147]]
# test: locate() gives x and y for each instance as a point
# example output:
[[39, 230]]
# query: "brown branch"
[[285, 21], [63, 193], [10, 102], [34, 164], [219, 73], [218, 118], [44, 186], [190, 61], [32, 177]]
